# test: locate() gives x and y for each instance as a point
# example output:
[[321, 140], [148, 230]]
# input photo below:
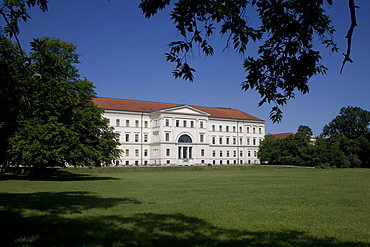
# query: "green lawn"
[[188, 206]]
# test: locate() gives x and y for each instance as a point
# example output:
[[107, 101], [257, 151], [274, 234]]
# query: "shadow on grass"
[[50, 227], [55, 174]]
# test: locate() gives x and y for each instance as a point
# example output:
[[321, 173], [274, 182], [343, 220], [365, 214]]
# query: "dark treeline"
[[344, 143]]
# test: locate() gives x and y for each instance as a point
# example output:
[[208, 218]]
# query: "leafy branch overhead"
[[286, 56]]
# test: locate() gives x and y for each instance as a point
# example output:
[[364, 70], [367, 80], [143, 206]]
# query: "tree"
[[54, 121], [347, 138], [286, 57]]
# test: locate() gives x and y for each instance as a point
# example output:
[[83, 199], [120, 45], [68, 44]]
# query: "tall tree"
[[54, 119]]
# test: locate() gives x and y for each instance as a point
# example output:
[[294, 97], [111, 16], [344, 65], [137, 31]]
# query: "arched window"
[[185, 139]]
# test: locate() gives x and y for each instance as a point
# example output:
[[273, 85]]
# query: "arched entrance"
[[185, 150]]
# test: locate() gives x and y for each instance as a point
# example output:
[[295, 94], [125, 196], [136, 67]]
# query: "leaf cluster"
[[286, 58]]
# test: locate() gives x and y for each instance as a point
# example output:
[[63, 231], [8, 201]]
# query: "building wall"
[[153, 138]]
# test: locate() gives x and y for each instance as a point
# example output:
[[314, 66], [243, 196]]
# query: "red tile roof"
[[282, 135], [145, 106]]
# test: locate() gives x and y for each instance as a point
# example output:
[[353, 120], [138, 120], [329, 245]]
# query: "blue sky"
[[123, 54]]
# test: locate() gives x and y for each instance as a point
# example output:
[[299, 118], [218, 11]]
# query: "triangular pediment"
[[185, 109]]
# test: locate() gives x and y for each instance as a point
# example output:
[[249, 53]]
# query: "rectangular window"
[[233, 128], [241, 141], [221, 153], [127, 123], [167, 152], [145, 124], [220, 128], [220, 140], [136, 123], [254, 130], [136, 137], [247, 129], [234, 141], [240, 129], [254, 141], [234, 153], [127, 137], [201, 138], [227, 140], [145, 138], [213, 153], [201, 124], [136, 152], [202, 152], [167, 122], [185, 152], [145, 152], [213, 128], [260, 130], [184, 123], [167, 137], [255, 153], [227, 128], [248, 141], [177, 123], [192, 124], [241, 153], [213, 140], [190, 152], [249, 153], [227, 153], [127, 152], [117, 122]]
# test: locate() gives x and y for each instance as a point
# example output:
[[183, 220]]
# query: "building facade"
[[154, 133]]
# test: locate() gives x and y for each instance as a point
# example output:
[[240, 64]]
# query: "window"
[[201, 124], [255, 153], [213, 140], [240, 129], [127, 123], [167, 122], [184, 123], [185, 139], [167, 152], [220, 162], [136, 152], [177, 123], [247, 129], [145, 152], [227, 140], [167, 137], [227, 153], [233, 128], [249, 153], [221, 153], [145, 124], [241, 153], [213, 128], [254, 141], [254, 130], [220, 140], [227, 128], [202, 161], [127, 152], [136, 137], [220, 128], [127, 137], [117, 122], [260, 130], [127, 163], [192, 124], [234, 140], [202, 152], [168, 162], [234, 153], [136, 123], [248, 141], [201, 138], [241, 141], [145, 138], [213, 153]]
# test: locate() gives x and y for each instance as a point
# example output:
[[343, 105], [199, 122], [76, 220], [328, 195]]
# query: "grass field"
[[188, 206]]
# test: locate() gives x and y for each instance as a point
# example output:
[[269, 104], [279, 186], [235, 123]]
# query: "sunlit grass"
[[189, 206]]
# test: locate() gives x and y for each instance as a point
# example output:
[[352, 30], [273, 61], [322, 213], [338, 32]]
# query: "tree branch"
[[352, 9]]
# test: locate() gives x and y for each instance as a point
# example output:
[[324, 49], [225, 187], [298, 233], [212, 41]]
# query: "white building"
[[171, 134]]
